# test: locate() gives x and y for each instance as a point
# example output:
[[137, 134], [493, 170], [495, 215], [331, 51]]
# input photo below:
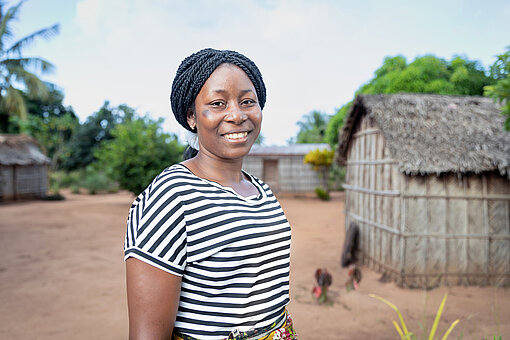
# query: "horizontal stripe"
[[235, 239], [244, 265], [237, 276], [235, 295], [249, 256], [234, 285]]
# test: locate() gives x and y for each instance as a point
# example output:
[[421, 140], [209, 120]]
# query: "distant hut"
[[427, 181], [282, 167], [22, 168]]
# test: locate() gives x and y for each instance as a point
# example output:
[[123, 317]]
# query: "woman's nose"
[[236, 115]]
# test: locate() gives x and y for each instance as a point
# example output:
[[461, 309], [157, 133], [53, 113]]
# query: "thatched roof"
[[20, 150], [437, 134], [285, 150]]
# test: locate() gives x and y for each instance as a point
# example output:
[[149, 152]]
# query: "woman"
[[208, 247]]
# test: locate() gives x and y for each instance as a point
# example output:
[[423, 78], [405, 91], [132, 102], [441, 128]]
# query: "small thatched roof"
[[285, 150], [20, 150], [437, 134]]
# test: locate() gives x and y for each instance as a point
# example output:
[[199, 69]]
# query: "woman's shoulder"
[[171, 178], [176, 173]]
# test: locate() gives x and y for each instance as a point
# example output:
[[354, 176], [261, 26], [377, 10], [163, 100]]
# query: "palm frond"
[[38, 64], [36, 88], [5, 31], [13, 103], [45, 33]]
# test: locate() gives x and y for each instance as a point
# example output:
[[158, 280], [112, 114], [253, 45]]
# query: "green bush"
[[91, 178], [96, 180], [322, 194], [70, 178], [138, 152], [65, 179]]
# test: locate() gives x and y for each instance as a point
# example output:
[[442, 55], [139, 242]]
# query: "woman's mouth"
[[236, 135]]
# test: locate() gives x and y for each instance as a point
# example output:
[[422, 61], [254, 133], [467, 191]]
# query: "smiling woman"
[[226, 115], [207, 246]]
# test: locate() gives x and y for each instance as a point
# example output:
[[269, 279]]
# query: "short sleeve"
[[156, 228]]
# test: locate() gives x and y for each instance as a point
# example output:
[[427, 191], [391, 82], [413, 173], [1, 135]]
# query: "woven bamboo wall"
[[23, 181], [424, 231], [372, 197], [457, 230]]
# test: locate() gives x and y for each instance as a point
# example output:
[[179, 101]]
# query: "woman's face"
[[227, 114]]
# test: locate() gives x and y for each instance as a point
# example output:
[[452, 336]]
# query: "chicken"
[[324, 280]]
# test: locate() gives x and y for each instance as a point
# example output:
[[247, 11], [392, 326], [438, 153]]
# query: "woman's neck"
[[225, 172]]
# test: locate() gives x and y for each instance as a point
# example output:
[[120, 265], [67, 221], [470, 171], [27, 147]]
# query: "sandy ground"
[[62, 277]]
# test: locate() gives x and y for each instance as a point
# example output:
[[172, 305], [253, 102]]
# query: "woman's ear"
[[192, 122]]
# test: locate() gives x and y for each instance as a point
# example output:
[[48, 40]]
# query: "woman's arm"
[[153, 299]]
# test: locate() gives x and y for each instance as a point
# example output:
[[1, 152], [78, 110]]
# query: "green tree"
[[137, 153], [50, 105], [52, 133], [426, 74], [18, 73], [335, 124], [50, 122], [500, 91], [312, 128], [89, 136]]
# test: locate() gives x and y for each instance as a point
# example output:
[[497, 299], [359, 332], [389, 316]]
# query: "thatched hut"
[[282, 166], [427, 182], [22, 168]]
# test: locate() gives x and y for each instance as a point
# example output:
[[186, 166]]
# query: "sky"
[[313, 55]]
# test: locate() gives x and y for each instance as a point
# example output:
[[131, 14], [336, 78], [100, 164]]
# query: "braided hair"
[[197, 68]]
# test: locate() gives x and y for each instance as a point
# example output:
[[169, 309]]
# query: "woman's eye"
[[218, 104], [248, 102]]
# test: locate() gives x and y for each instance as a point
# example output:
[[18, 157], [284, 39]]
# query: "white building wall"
[[294, 175]]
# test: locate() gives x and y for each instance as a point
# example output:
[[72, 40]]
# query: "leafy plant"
[[322, 194], [500, 91], [75, 189], [404, 332], [321, 160], [96, 180], [91, 178]]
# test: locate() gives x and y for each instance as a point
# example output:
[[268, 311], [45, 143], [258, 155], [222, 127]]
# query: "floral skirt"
[[273, 332]]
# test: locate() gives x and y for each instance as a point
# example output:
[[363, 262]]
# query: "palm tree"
[[18, 73]]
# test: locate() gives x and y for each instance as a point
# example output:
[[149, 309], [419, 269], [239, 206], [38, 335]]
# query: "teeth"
[[236, 135]]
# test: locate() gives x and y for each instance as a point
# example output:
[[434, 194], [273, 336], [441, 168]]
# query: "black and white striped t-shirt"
[[233, 252]]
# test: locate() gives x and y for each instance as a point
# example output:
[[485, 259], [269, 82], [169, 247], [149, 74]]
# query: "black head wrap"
[[196, 69]]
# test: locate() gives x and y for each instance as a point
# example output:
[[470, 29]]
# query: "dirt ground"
[[62, 277]]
